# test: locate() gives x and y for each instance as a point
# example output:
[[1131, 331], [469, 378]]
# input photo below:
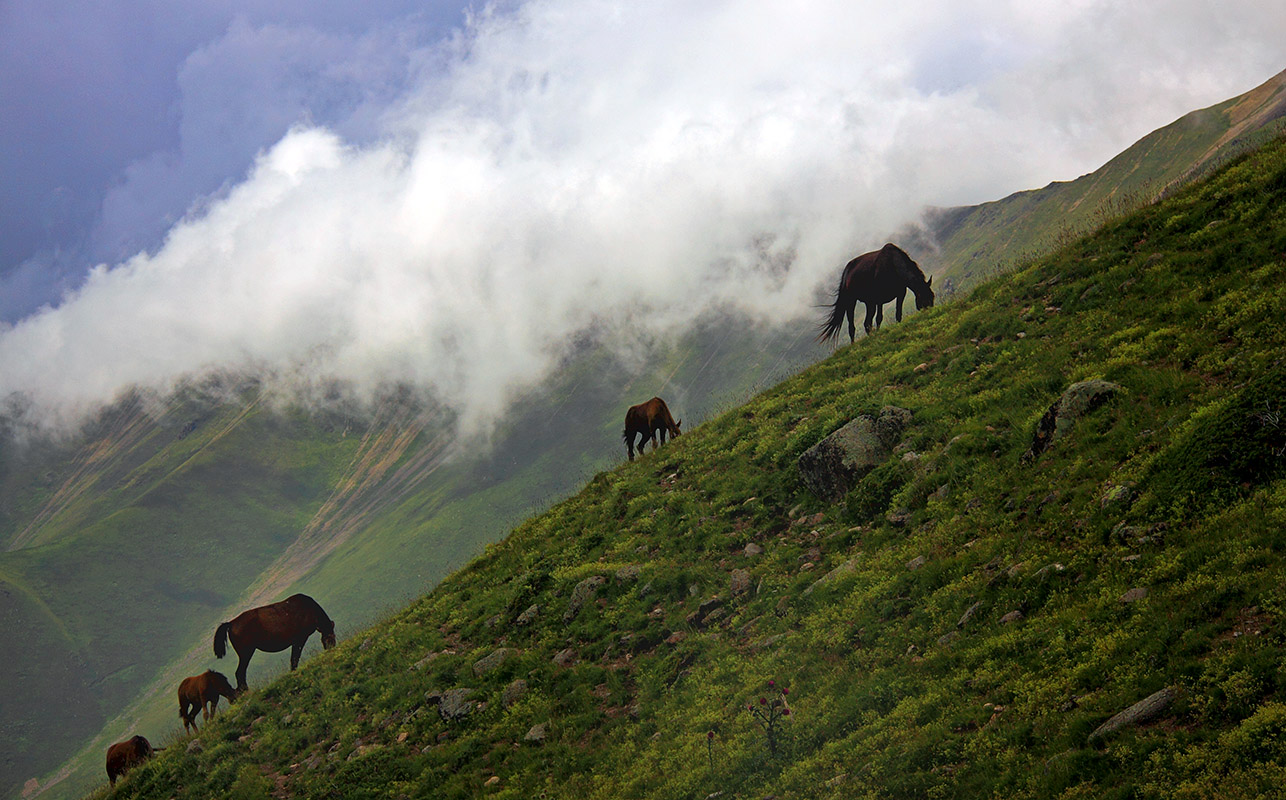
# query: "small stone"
[[455, 704], [583, 592], [1012, 616], [494, 780], [753, 549], [628, 573], [846, 568], [739, 581], [916, 563], [195, 746], [490, 662], [921, 367], [676, 637], [1134, 595], [899, 518], [968, 614], [1118, 495], [565, 658], [527, 616], [513, 692], [365, 645], [1049, 569], [537, 733]]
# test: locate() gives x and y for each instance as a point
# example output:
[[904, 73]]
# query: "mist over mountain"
[[561, 167]]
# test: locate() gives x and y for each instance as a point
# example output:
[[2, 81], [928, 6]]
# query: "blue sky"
[[120, 114], [442, 195]]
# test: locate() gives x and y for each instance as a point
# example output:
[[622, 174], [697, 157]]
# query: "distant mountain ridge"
[[968, 244]]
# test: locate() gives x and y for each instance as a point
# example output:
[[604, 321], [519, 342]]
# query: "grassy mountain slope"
[[128, 545], [958, 626], [966, 245]]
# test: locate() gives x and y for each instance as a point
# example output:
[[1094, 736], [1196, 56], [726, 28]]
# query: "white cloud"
[[577, 161]]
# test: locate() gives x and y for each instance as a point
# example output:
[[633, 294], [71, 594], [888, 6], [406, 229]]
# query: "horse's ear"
[[929, 282]]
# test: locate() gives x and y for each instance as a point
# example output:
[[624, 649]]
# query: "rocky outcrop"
[[1076, 401], [832, 466]]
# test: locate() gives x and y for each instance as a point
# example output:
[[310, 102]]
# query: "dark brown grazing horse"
[[273, 628], [646, 420], [875, 279], [202, 693], [124, 756]]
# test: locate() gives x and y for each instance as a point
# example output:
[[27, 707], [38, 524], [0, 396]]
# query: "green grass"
[[1179, 303]]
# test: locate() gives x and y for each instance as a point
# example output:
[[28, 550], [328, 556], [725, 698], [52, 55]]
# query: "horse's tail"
[[221, 640], [625, 435], [833, 322]]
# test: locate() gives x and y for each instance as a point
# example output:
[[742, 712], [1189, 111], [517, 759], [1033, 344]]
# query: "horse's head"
[[676, 431], [328, 634], [222, 686], [924, 295]]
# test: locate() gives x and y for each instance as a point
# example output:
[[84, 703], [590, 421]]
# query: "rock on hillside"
[[831, 467]]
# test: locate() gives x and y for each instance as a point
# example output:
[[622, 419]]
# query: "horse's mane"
[[907, 267]]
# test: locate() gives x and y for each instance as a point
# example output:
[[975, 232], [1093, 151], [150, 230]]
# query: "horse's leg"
[[901, 297], [870, 315], [879, 316], [852, 329], [629, 446], [296, 650], [243, 663]]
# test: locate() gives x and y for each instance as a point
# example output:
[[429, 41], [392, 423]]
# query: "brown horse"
[[124, 756], [273, 628], [646, 420], [202, 693], [875, 279]]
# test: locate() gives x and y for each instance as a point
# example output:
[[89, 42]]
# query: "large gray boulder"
[[832, 466], [1076, 401]]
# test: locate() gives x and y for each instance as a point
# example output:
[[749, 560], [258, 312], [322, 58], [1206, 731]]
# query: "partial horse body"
[[202, 693], [273, 628], [124, 756], [646, 420], [875, 278]]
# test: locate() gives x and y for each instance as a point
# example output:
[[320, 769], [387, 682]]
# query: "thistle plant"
[[771, 713]]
